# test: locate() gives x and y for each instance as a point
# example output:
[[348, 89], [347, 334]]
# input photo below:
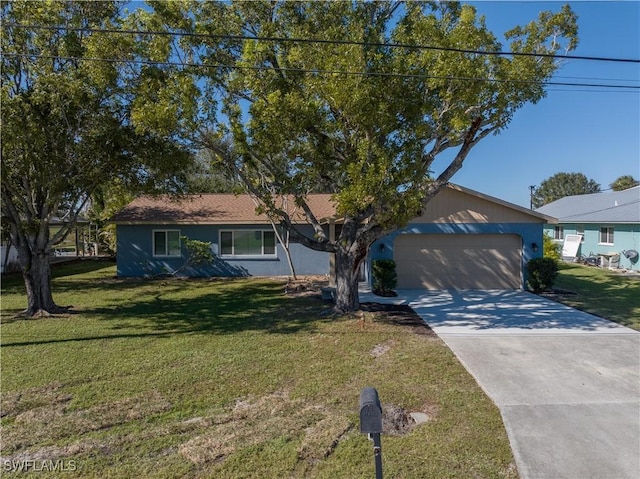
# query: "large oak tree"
[[81, 109], [359, 99]]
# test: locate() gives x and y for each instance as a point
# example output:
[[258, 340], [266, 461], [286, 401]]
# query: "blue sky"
[[573, 129]]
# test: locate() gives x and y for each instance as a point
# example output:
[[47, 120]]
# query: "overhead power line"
[[319, 71], [581, 90], [324, 41]]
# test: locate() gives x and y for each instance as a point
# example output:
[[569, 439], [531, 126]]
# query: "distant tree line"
[[570, 184]]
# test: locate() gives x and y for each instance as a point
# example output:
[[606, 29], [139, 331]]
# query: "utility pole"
[[532, 188]]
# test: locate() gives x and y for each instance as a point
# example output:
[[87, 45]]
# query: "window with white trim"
[[166, 243], [606, 235], [247, 243], [558, 232], [580, 231]]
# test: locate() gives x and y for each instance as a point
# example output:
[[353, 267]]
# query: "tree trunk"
[[287, 251], [347, 269], [36, 271]]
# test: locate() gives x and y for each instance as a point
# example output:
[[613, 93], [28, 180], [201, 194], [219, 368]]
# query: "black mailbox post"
[[371, 423]]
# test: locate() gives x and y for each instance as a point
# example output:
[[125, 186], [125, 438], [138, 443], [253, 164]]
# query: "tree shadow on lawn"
[[62, 275], [251, 307], [86, 338]]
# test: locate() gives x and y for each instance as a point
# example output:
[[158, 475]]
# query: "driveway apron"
[[566, 382]]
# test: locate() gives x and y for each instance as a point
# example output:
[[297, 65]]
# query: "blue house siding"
[[531, 233], [135, 254], [625, 237], [151, 225]]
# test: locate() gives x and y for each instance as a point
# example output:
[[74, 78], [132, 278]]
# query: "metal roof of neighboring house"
[[609, 207], [212, 209]]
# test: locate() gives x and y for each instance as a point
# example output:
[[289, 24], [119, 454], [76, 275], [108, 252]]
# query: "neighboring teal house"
[[608, 223]]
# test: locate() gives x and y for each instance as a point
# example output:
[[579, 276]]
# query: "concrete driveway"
[[567, 383]]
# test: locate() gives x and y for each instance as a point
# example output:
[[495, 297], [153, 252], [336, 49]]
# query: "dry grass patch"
[[42, 414], [321, 439], [257, 420], [16, 403]]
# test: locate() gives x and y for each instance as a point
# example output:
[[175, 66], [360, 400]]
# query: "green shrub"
[[198, 252], [542, 273], [550, 248], [384, 276]]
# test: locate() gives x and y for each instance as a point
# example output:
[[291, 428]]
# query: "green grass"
[[605, 293], [228, 379]]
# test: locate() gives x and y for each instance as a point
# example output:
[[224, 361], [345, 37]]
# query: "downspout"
[[332, 256]]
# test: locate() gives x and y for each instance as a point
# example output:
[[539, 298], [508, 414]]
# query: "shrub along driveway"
[[567, 383]]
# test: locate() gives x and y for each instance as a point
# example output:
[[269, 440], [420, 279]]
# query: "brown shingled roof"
[[210, 209]]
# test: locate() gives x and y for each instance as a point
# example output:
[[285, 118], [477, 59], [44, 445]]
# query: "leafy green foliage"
[[623, 183], [550, 248], [199, 253], [542, 273], [561, 185], [385, 278], [74, 128], [206, 176], [106, 200], [356, 117]]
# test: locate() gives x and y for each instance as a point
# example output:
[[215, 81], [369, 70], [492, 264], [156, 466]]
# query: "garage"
[[463, 239], [458, 261]]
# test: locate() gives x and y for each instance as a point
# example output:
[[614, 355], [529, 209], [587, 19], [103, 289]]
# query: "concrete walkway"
[[567, 383]]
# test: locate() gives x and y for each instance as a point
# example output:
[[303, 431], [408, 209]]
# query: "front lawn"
[[609, 294], [228, 379]]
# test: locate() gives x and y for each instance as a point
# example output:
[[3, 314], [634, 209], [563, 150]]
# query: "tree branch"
[[468, 142], [266, 197]]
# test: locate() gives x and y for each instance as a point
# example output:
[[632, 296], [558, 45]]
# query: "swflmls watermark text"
[[30, 465]]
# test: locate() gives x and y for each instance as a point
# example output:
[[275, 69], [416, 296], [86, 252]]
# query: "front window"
[[166, 243], [606, 235], [247, 243], [558, 232], [580, 231]]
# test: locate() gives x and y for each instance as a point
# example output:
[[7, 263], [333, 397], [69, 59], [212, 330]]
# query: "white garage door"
[[458, 261]]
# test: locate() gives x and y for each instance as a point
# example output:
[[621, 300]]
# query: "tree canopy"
[[71, 124], [624, 183], [561, 185], [359, 99]]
